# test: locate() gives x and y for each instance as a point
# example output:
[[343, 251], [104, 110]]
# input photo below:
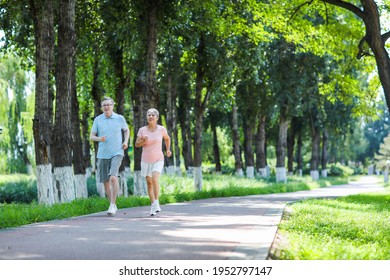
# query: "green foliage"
[[18, 188], [224, 144], [382, 158], [16, 116], [350, 228], [339, 170]]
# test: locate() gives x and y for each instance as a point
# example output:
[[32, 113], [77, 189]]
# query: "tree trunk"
[[171, 121], [260, 147], [290, 149], [139, 113], [217, 157], [248, 150], [116, 53], [236, 142], [184, 117], [42, 12], [200, 106], [176, 72], [63, 172], [299, 153], [152, 93], [281, 149], [315, 151], [324, 157], [86, 155], [80, 180], [175, 133], [96, 93]]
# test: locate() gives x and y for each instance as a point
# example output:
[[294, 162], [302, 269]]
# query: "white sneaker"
[[157, 206], [111, 210], [153, 211]]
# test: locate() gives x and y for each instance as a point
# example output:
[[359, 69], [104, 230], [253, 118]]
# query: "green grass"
[[355, 227], [173, 189]]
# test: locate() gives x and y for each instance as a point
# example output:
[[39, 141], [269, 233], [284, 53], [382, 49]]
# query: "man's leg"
[[107, 189], [114, 182]]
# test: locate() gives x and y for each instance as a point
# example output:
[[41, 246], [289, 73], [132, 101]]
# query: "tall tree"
[[62, 137], [339, 25], [369, 13], [43, 17], [16, 140]]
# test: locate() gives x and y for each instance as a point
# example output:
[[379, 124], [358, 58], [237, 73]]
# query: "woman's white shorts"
[[147, 168]]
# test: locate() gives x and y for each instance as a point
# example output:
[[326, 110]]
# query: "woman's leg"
[[156, 185], [149, 183]]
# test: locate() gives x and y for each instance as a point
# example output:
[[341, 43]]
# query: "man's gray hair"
[[153, 110], [105, 98]]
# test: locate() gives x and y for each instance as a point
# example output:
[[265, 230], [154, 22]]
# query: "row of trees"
[[229, 64]]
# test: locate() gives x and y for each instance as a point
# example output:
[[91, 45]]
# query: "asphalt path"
[[237, 228]]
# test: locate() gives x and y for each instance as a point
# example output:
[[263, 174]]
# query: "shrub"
[[22, 190], [338, 170]]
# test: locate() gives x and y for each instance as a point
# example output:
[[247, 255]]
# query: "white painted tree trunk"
[[198, 178], [45, 184], [140, 188], [240, 172], [190, 171], [250, 172], [300, 172], [315, 174], [324, 173], [123, 188], [88, 172], [263, 172], [281, 174], [290, 173], [178, 171], [268, 170], [170, 170], [99, 186], [30, 169], [64, 183], [80, 184]]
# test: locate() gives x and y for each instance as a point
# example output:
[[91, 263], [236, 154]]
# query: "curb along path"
[[240, 228]]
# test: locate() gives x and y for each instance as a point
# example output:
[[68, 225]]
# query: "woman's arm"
[[168, 144], [140, 141]]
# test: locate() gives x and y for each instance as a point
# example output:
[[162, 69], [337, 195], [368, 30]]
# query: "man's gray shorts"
[[108, 167]]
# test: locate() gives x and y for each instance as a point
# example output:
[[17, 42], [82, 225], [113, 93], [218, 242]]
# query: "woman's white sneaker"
[[111, 210], [153, 211], [157, 206]]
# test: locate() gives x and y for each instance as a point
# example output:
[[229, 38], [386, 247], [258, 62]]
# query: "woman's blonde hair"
[[153, 110]]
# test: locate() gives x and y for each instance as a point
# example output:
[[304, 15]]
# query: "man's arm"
[[93, 137], [126, 134]]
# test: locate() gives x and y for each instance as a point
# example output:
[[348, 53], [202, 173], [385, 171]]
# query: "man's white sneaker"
[[157, 206], [111, 210], [153, 211]]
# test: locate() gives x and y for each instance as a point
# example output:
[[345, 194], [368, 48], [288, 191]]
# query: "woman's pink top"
[[152, 149]]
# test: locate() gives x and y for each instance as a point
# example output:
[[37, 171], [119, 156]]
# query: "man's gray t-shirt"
[[111, 128]]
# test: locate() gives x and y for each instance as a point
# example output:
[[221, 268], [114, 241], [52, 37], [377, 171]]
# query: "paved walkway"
[[240, 228]]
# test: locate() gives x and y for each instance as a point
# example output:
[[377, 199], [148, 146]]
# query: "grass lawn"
[[355, 227], [173, 189]]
